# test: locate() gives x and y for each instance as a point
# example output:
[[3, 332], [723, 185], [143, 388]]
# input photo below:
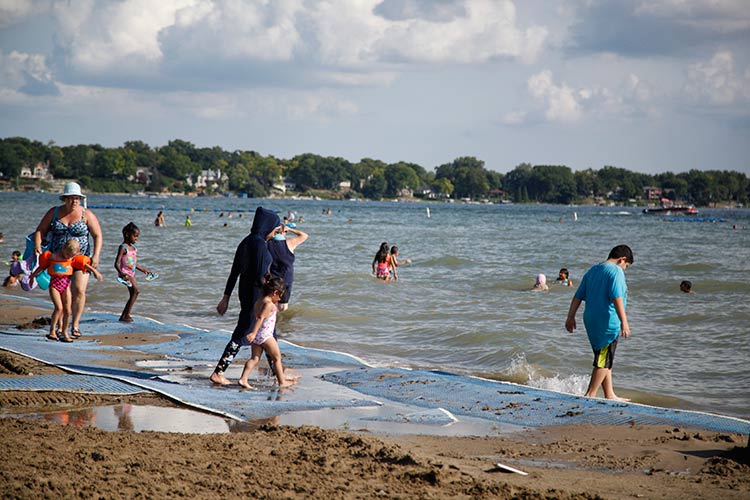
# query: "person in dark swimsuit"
[[252, 261], [72, 220], [282, 250]]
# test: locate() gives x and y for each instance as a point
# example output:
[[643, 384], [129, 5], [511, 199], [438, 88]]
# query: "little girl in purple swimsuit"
[[260, 337]]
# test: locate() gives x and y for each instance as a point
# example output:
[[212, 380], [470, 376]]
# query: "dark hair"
[[382, 254], [564, 270], [686, 284], [129, 229], [621, 251], [394, 249], [274, 284], [16, 252]]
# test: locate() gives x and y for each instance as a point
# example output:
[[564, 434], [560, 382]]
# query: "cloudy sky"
[[647, 85]]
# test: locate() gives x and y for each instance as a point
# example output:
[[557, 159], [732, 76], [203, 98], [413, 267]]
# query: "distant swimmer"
[[686, 286], [541, 284], [188, 222], [159, 221], [563, 278]]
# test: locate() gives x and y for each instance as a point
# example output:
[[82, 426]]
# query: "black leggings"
[[244, 324]]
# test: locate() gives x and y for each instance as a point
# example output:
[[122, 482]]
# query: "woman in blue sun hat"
[[72, 220]]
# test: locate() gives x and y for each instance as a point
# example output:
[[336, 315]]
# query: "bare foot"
[[244, 384], [219, 379], [286, 384], [618, 398], [126, 320]]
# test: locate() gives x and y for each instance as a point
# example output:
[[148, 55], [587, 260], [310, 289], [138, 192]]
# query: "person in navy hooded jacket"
[[252, 261]]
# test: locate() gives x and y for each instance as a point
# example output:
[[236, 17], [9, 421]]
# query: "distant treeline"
[[169, 167]]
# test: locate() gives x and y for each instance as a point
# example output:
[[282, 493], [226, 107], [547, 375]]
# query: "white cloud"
[[561, 101], [487, 31], [26, 73], [717, 82], [14, 11], [105, 37], [241, 42]]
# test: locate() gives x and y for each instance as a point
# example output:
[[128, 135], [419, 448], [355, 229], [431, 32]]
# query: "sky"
[[649, 86]]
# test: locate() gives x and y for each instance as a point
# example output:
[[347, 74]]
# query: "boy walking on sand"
[[604, 290]]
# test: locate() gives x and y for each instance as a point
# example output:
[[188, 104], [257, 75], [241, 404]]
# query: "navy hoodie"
[[252, 260]]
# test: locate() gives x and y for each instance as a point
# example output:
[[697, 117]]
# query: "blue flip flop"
[[124, 282], [151, 276]]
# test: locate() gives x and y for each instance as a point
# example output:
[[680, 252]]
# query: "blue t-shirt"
[[600, 286]]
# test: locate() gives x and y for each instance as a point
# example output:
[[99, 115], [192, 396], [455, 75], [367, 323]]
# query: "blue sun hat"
[[72, 189]]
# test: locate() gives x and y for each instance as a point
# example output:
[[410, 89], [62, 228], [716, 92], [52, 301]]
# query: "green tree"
[[376, 186], [400, 176]]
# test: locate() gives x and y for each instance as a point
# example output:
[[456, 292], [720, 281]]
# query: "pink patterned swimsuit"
[[266, 329], [129, 260]]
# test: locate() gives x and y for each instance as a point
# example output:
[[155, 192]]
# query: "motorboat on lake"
[[668, 208]]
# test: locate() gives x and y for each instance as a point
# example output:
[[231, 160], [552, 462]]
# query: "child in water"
[[126, 263], [381, 264], [686, 286], [563, 278], [394, 261], [541, 284], [260, 337], [60, 266]]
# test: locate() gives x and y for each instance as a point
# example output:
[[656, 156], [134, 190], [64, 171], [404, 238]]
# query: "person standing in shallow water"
[[252, 261], [604, 290], [282, 252]]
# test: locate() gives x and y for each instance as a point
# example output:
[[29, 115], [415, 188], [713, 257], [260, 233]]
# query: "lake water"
[[464, 304]]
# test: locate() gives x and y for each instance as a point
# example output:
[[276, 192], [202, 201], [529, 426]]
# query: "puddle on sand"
[[127, 417]]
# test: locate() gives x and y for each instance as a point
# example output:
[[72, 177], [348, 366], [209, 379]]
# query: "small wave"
[[446, 261]]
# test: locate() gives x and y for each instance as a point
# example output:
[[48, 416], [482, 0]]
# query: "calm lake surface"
[[464, 304]]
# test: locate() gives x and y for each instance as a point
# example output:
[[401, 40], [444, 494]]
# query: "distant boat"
[[667, 208]]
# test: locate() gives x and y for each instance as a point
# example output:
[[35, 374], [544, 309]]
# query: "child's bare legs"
[[59, 315], [66, 311], [133, 291], [602, 377], [274, 357], [250, 364]]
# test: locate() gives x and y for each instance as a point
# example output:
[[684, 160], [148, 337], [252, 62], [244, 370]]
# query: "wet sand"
[[47, 459]]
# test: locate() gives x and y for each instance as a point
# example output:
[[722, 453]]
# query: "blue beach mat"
[[70, 383], [509, 403], [179, 365]]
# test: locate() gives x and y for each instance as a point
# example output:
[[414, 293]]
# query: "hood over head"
[[264, 222]]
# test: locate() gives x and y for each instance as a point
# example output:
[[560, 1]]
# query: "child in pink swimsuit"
[[126, 263], [60, 266], [260, 337]]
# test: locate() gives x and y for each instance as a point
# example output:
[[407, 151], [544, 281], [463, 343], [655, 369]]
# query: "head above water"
[[686, 286], [541, 280]]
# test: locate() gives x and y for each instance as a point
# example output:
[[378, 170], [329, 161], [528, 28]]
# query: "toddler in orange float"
[[60, 266]]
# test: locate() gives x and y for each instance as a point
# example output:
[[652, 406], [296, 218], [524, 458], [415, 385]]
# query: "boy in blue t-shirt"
[[604, 290]]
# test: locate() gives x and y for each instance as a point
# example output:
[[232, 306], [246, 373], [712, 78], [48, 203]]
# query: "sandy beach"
[[48, 460]]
